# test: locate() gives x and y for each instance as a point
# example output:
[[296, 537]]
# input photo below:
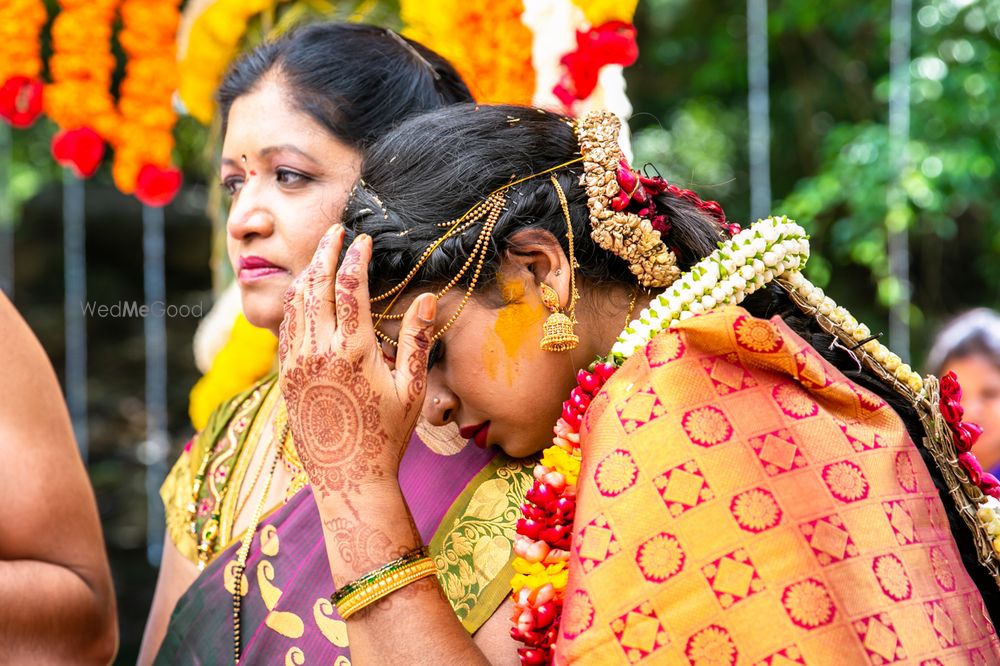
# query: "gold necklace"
[[242, 507], [244, 551]]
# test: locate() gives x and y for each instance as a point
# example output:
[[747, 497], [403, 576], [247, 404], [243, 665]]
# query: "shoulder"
[[473, 548], [30, 385]]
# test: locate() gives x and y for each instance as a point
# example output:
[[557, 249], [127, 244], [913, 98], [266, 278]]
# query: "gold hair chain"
[[491, 208]]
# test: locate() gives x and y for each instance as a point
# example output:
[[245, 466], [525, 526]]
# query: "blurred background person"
[[969, 346]]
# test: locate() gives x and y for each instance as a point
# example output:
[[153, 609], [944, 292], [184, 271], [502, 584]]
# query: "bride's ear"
[[535, 256]]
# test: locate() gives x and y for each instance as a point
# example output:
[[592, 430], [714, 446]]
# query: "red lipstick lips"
[[477, 433], [253, 268]]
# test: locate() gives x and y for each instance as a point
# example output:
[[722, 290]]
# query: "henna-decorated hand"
[[351, 413]]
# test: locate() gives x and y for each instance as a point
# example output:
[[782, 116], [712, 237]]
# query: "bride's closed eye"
[[436, 354]]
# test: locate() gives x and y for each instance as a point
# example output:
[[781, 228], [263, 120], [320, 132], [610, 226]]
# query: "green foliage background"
[[829, 87]]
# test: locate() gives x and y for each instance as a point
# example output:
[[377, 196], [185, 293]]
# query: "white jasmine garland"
[[989, 520], [771, 248], [739, 267], [843, 319]]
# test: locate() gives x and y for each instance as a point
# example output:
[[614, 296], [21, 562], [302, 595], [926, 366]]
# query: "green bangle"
[[385, 569]]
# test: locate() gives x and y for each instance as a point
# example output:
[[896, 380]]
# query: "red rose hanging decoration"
[[80, 149], [612, 43], [156, 186], [21, 101]]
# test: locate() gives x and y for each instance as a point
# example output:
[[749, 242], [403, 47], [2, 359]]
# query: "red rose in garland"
[[157, 187], [81, 149], [21, 101], [612, 43]]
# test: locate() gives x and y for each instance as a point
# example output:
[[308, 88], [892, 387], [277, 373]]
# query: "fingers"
[[290, 331], [319, 317], [354, 318], [414, 345]]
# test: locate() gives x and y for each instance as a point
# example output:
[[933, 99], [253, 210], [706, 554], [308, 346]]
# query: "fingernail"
[[426, 309]]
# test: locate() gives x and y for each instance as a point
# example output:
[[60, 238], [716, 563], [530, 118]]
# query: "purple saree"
[[287, 617]]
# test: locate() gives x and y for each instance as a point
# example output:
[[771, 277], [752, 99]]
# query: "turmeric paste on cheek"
[[515, 321]]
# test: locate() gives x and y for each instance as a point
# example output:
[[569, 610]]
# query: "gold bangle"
[[382, 586], [412, 556]]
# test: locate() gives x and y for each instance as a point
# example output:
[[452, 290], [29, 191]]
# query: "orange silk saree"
[[742, 502]]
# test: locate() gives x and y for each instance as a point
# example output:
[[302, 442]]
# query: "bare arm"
[[56, 599], [177, 573], [352, 415]]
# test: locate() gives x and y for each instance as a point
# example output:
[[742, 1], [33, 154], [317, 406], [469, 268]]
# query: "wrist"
[[374, 496]]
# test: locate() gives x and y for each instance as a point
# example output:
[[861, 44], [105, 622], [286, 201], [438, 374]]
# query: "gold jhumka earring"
[[557, 331]]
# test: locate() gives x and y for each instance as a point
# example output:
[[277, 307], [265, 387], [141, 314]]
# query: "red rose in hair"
[[950, 388], [966, 435]]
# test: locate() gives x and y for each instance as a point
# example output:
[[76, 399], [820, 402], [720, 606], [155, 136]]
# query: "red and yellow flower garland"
[[21, 22], [79, 97], [144, 139], [544, 534]]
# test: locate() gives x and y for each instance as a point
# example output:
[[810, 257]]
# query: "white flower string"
[[742, 265]]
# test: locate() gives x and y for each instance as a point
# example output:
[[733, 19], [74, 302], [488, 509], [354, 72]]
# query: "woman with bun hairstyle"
[[730, 467]]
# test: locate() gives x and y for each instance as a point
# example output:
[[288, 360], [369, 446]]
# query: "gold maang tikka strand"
[[478, 255]]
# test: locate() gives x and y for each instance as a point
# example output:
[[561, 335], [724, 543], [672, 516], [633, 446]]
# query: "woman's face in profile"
[[980, 380], [487, 373], [288, 179]]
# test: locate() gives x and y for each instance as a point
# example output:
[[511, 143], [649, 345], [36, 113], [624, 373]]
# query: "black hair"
[[451, 159], [435, 167], [356, 80], [974, 333]]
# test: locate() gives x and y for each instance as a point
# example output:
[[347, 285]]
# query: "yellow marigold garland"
[[211, 45], [536, 575], [247, 357], [21, 22], [145, 132], [81, 67], [486, 42]]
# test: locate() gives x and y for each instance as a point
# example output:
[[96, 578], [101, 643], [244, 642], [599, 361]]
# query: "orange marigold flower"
[[488, 44]]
